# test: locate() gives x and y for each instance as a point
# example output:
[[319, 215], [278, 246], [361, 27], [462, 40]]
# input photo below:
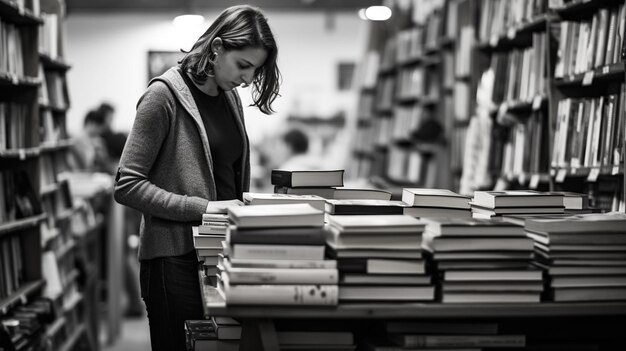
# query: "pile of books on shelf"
[[208, 239], [379, 258], [482, 261], [491, 204], [583, 255], [404, 335], [423, 202], [275, 256]]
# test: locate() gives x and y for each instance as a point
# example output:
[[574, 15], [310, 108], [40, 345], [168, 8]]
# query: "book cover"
[[517, 198], [270, 198], [434, 198], [282, 215], [304, 178]]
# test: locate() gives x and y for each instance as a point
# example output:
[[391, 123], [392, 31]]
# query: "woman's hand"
[[221, 206]]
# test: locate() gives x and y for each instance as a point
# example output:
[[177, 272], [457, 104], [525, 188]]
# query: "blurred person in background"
[[188, 154]]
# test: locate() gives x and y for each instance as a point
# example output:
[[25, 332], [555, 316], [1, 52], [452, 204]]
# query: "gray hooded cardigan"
[[166, 169]]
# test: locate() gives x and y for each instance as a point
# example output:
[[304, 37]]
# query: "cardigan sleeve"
[[133, 188]]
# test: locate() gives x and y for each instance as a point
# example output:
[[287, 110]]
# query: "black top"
[[224, 140]]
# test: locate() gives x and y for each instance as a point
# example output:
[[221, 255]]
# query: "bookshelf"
[[37, 212], [512, 76]]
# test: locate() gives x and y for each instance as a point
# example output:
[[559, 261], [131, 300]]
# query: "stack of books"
[[275, 256], [327, 184], [379, 258], [583, 255], [482, 261], [423, 202], [492, 204], [208, 240]]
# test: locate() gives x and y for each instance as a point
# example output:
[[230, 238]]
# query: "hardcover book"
[[517, 198], [302, 178], [425, 197], [283, 215], [269, 199]]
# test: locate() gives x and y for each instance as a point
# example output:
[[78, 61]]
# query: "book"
[[471, 227], [283, 236], [303, 178], [577, 238], [381, 266], [495, 275], [593, 293], [592, 222], [269, 199], [437, 212], [376, 224], [326, 193], [492, 286], [362, 194], [516, 210], [337, 239], [336, 252], [364, 207], [226, 328], [386, 293], [438, 341], [516, 198], [261, 263], [384, 279], [588, 281], [442, 243], [482, 255], [277, 252], [491, 297], [281, 275], [283, 215], [277, 294], [424, 197]]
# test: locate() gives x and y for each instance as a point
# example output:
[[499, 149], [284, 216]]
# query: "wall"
[[108, 54]]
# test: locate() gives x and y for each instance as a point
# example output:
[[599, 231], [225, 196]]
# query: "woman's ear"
[[217, 45]]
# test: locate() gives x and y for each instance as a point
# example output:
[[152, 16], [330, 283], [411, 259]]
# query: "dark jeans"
[[171, 290]]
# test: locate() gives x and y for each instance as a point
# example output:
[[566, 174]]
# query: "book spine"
[[298, 237], [275, 252], [282, 276], [281, 294], [282, 178]]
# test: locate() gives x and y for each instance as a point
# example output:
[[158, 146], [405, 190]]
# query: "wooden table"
[[259, 333]]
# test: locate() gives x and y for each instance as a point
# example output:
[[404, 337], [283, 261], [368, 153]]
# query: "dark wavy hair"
[[239, 27]]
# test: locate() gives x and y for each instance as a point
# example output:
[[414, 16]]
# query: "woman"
[[188, 154]]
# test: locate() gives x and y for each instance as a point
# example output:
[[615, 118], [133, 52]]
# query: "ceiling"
[[101, 6]]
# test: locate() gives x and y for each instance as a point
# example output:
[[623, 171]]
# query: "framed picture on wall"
[[161, 61]]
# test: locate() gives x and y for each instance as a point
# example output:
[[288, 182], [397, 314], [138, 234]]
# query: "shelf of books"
[[41, 297], [530, 97]]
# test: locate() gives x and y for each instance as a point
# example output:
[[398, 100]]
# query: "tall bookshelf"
[[507, 96], [400, 139], [38, 217]]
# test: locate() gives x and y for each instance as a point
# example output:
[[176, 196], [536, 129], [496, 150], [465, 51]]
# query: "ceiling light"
[[378, 13], [362, 14], [188, 21]]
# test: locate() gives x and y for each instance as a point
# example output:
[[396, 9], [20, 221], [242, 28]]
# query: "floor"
[[134, 336]]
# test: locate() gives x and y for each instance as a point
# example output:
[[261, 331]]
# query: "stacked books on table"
[[584, 255], [208, 241], [492, 204], [424, 202], [433, 335], [379, 258], [327, 184], [275, 256], [482, 261]]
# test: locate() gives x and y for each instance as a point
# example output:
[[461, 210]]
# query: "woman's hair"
[[239, 27]]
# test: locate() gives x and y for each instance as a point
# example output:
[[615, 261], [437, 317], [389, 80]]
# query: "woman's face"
[[236, 67]]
